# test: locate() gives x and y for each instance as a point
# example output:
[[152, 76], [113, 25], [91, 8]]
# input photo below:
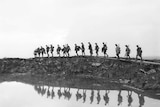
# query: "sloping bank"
[[139, 75]]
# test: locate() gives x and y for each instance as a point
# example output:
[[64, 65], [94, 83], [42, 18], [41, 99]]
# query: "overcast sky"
[[28, 24]]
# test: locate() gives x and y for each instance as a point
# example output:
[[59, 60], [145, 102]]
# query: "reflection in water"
[[78, 95], [67, 95], [53, 94], [92, 96], [48, 93], [106, 98], [130, 99], [98, 97], [120, 99], [84, 95], [141, 100], [64, 96], [59, 93], [81, 94]]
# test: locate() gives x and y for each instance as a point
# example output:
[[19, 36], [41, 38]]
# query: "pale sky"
[[28, 24]]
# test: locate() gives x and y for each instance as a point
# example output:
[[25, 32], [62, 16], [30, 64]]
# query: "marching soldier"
[[104, 49], [47, 50], [67, 50], [127, 51], [118, 50], [52, 49], [59, 50], [96, 49], [42, 51], [90, 48], [77, 48], [139, 53], [83, 49]]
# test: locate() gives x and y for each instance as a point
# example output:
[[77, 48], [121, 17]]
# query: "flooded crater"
[[18, 94]]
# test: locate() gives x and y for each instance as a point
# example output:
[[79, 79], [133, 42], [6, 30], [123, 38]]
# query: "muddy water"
[[16, 94]]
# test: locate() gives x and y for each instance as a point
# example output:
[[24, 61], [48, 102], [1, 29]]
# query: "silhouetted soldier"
[[42, 50], [83, 49], [39, 51], [141, 100], [118, 50], [106, 97], [67, 50], [92, 96], [139, 53], [96, 49], [127, 52], [98, 97], [104, 49], [77, 48], [35, 53], [64, 50], [120, 99], [47, 50], [90, 48], [59, 50], [52, 49]]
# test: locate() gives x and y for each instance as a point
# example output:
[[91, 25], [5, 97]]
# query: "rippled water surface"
[[16, 94]]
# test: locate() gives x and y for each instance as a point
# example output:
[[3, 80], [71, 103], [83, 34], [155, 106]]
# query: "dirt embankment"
[[139, 75]]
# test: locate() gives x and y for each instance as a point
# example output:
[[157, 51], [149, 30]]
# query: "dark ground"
[[83, 72]]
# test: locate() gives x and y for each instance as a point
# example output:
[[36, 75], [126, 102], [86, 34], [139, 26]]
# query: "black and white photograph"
[[79, 53]]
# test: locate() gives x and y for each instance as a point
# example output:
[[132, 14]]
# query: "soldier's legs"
[[129, 56], [52, 54], [117, 55], [76, 53], [39, 54], [137, 57], [42, 54], [96, 53], [48, 54], [91, 53], [83, 53], [140, 56], [59, 54]]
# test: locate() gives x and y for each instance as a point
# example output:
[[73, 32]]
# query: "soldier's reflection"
[[106, 98], [67, 94], [43, 90], [92, 96], [141, 100], [59, 93], [52, 93], [84, 95], [130, 99], [78, 95], [120, 99], [48, 92], [38, 89], [64, 93], [98, 97]]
